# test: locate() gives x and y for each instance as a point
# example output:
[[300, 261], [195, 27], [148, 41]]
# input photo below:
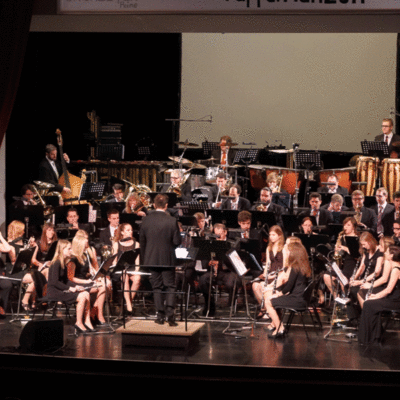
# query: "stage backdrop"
[[324, 91]]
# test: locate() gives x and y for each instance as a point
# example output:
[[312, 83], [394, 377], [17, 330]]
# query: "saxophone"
[[339, 254]]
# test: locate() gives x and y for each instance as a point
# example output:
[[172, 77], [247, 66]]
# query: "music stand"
[[209, 147], [290, 223], [92, 191], [105, 207], [263, 218], [282, 199], [226, 217], [33, 214]]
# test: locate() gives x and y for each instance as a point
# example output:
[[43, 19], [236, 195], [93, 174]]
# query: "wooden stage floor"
[[226, 354]]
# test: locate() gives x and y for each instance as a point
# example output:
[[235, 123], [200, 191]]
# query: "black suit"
[[276, 209], [159, 236], [381, 138], [325, 217], [47, 174], [243, 204], [368, 218], [339, 190], [387, 218]]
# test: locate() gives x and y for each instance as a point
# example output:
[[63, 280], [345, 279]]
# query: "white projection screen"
[[324, 91]]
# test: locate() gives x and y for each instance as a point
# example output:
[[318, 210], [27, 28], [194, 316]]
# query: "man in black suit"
[[265, 204], [321, 216], [237, 203], [117, 194], [159, 236], [333, 186], [388, 136], [335, 206], [384, 212], [50, 169], [107, 233], [366, 218]]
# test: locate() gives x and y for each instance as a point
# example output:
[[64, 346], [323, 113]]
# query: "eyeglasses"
[[386, 126]]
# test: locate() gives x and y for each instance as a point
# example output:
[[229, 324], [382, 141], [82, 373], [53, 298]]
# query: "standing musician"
[[369, 260], [388, 136], [366, 218], [60, 288], [50, 169], [370, 328], [333, 186], [384, 212], [124, 241], [274, 263], [224, 155], [290, 291], [159, 236]]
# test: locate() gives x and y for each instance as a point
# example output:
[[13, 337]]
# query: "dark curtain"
[[15, 19]]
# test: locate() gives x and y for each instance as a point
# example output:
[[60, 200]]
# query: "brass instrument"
[[177, 187], [358, 215], [262, 207], [47, 210], [339, 254]]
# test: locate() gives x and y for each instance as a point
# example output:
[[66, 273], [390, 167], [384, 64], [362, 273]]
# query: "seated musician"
[[133, 205], [396, 230], [306, 226], [117, 194], [203, 225], [124, 241], [265, 204], [237, 203], [50, 169], [274, 183], [107, 234], [335, 206], [274, 263], [333, 186], [219, 273], [219, 189], [224, 155], [384, 212], [73, 220], [366, 218], [322, 216], [180, 186], [27, 197]]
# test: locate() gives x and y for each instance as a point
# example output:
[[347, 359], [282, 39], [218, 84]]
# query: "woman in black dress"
[[124, 241], [290, 293], [370, 328], [274, 262], [60, 288]]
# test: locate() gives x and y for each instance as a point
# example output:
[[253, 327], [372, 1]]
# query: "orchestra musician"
[[396, 232], [237, 203], [124, 241], [388, 136], [322, 216], [117, 194], [371, 256], [219, 273], [5, 284], [333, 186], [50, 169], [335, 206], [224, 154], [273, 264], [370, 328], [396, 203], [384, 212], [133, 205], [107, 234], [82, 268], [273, 182], [290, 290], [265, 204], [366, 218], [27, 197], [306, 226], [159, 236], [180, 185], [60, 288], [219, 189]]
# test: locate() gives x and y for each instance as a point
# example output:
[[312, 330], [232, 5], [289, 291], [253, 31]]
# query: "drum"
[[211, 174], [343, 174], [391, 176], [258, 174], [367, 172]]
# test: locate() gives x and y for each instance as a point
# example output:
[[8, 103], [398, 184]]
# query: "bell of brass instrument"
[[339, 254], [47, 210], [106, 251]]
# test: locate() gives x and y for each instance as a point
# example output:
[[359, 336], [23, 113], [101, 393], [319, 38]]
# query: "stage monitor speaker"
[[40, 336]]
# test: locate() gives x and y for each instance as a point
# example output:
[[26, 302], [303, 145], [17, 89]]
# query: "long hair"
[[386, 242], [369, 238], [128, 208], [118, 235], [298, 259], [79, 243], [281, 241], [44, 246], [353, 222], [15, 230], [58, 255]]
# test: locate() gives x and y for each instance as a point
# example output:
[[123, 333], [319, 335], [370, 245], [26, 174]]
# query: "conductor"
[[159, 236]]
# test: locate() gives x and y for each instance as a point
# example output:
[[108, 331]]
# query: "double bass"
[[74, 183]]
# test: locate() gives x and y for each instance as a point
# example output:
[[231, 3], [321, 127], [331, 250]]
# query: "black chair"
[[310, 305]]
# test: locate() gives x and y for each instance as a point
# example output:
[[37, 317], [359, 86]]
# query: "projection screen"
[[323, 91]]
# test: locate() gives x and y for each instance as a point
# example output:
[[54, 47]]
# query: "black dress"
[[292, 291], [370, 328], [59, 284]]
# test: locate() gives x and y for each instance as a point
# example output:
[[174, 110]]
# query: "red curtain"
[[15, 20]]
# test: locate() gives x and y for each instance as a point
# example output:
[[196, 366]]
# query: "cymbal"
[[43, 185], [198, 166], [182, 161], [187, 144], [282, 151]]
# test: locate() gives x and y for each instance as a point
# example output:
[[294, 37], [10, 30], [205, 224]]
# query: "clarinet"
[[354, 274], [276, 279], [371, 287]]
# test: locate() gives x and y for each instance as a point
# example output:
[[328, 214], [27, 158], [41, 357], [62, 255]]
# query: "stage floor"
[[227, 353]]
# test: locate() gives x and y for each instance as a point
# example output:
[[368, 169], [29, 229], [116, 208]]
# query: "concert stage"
[[229, 354]]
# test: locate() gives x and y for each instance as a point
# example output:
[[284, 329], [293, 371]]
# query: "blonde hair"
[[15, 230], [58, 254], [79, 243]]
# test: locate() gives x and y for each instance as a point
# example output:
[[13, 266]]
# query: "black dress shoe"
[[159, 321], [171, 322]]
